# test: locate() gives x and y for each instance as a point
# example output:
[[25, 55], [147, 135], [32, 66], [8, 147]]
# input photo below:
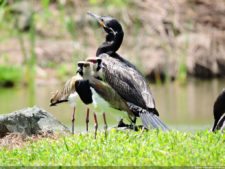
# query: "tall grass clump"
[[28, 52]]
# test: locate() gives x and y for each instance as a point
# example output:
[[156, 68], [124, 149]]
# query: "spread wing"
[[76, 83], [62, 95], [127, 81]]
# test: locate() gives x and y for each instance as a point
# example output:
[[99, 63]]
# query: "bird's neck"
[[112, 44]]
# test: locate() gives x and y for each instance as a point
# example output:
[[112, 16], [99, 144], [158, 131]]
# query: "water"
[[183, 107]]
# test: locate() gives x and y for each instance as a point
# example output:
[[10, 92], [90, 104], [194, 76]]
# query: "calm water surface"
[[183, 107]]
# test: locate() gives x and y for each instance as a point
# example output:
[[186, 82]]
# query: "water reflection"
[[186, 107]]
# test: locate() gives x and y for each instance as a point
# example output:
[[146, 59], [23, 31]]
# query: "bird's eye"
[[86, 65], [99, 61]]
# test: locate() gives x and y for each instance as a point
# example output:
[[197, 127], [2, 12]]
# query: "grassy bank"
[[122, 148]]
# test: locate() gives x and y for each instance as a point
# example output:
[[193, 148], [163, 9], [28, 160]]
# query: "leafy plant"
[[10, 75]]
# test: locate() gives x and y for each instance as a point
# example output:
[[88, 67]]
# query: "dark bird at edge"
[[219, 112]]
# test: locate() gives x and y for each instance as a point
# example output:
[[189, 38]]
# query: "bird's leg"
[[105, 124], [73, 119], [134, 123], [96, 124], [87, 119]]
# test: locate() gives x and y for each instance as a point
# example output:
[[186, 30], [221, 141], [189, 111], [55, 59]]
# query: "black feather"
[[84, 91], [127, 82]]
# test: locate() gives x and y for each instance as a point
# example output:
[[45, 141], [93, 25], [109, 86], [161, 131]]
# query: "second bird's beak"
[[98, 18], [92, 60]]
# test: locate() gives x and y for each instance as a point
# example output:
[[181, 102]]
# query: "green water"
[[183, 107]]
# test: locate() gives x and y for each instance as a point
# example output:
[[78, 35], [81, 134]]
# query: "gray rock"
[[32, 120]]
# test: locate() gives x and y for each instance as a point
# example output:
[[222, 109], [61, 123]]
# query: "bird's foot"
[[125, 126]]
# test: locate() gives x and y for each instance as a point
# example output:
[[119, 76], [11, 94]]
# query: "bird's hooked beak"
[[102, 23], [98, 18]]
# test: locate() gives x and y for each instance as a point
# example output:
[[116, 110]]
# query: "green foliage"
[[6, 21], [182, 73], [45, 5], [62, 71], [2, 8], [70, 26], [10, 75], [122, 148]]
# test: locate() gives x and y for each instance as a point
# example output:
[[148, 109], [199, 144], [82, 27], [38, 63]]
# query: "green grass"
[[122, 148]]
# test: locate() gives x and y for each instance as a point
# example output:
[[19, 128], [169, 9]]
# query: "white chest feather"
[[72, 99]]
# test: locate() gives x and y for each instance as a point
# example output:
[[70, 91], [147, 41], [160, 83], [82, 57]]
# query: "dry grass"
[[18, 140]]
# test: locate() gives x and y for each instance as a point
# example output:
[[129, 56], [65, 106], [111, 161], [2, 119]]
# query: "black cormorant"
[[123, 76]]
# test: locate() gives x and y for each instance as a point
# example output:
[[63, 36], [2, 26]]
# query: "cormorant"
[[219, 112], [118, 102], [124, 77], [73, 87]]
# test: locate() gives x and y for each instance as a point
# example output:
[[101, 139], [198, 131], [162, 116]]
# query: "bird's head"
[[110, 25], [80, 65], [96, 66], [84, 69]]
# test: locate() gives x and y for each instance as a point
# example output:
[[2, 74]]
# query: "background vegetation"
[[166, 40]]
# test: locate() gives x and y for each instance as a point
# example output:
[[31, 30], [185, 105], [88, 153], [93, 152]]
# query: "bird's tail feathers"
[[148, 117], [151, 120]]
